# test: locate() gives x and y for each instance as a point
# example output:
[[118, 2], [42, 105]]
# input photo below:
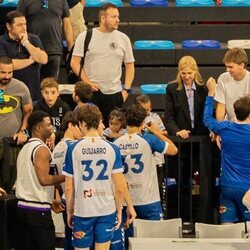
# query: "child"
[[82, 94], [52, 104], [117, 124], [145, 102]]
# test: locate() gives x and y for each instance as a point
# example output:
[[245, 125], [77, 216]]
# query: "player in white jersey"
[[145, 102], [95, 186], [70, 130], [35, 186], [139, 164]]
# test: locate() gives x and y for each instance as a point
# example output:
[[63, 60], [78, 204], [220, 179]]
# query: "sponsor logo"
[[135, 185], [79, 234], [109, 229], [88, 193]]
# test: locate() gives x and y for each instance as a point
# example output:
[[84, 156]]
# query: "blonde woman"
[[185, 101]]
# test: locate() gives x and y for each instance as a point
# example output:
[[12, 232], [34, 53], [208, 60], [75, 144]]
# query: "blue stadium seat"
[[9, 3], [154, 44], [194, 3], [200, 44], [153, 88], [98, 3], [148, 3], [235, 2]]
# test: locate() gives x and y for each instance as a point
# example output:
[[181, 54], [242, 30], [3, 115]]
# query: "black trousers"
[[8, 156], [37, 230], [106, 103]]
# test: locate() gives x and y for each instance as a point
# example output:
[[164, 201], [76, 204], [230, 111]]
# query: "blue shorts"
[[87, 231], [147, 212], [151, 211], [231, 206]]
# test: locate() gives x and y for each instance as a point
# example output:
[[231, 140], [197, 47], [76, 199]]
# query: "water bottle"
[[1, 96]]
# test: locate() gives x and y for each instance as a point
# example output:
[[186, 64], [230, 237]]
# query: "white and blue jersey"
[[90, 162], [58, 155], [156, 119], [235, 157], [140, 167]]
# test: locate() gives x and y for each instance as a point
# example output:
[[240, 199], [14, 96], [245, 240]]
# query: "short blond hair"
[[49, 82], [236, 55]]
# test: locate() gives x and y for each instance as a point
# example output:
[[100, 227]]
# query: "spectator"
[[139, 164], [82, 94], [235, 158], [117, 125], [185, 100], [232, 84], [45, 19], [93, 195], [26, 51], [77, 21], [52, 104], [71, 132], [184, 107], [35, 186], [15, 108], [102, 70]]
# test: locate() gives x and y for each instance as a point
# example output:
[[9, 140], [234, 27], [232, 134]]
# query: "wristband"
[[127, 90], [25, 131]]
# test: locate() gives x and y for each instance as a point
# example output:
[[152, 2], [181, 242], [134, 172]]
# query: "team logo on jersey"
[[9, 104], [79, 234], [113, 46], [222, 209]]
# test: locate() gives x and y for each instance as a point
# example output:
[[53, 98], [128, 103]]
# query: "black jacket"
[[177, 116], [56, 112]]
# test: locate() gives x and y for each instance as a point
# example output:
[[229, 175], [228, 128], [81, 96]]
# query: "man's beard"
[[5, 81]]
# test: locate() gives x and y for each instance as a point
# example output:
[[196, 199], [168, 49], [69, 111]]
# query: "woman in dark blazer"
[[182, 118], [185, 101]]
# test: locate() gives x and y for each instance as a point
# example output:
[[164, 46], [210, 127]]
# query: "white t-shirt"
[[91, 163], [229, 90], [139, 166], [104, 58]]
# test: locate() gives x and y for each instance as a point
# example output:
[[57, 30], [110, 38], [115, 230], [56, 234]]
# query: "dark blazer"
[[177, 116]]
